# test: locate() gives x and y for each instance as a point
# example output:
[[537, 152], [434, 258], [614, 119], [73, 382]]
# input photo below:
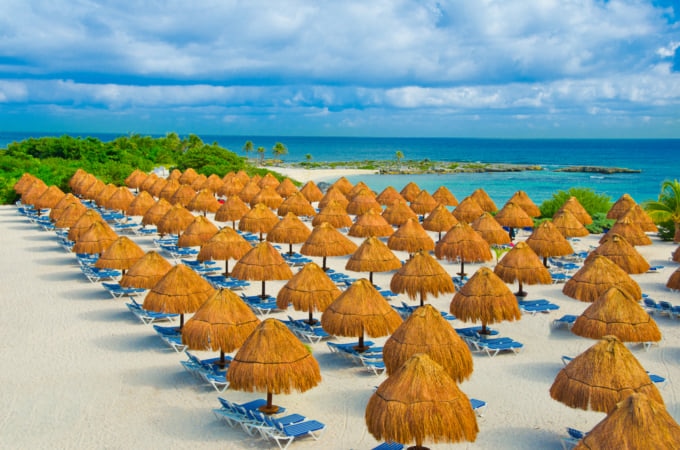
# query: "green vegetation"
[[592, 202], [279, 150], [665, 212]]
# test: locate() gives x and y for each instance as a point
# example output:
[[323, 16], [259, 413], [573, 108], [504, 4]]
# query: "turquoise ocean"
[[657, 159]]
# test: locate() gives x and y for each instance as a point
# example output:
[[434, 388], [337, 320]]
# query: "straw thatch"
[[410, 237], [26, 179], [420, 403], [358, 188], [331, 195], [231, 188], [120, 199], [33, 193], [226, 244], [574, 206], [440, 219], [268, 197], [146, 272], [122, 254], [85, 220], [673, 282], [630, 231], [523, 265], [199, 181], [232, 210], [422, 275], [373, 256], [512, 215], [263, 262], [370, 223], [174, 174], [148, 182], [49, 198], [468, 210], [547, 241], [522, 199], [443, 196], [260, 220], [363, 201], [204, 201], [360, 309], [135, 179], [289, 230], [424, 203], [602, 376], [188, 176], [198, 232], [620, 207], [490, 230], [463, 243], [398, 213], [61, 205], [426, 331], [568, 224], [635, 422], [327, 241], [616, 313], [69, 215], [168, 190], [297, 204], [622, 253], [389, 195], [274, 361], [309, 290], [90, 187], [183, 195], [268, 180], [596, 277], [213, 183], [105, 194], [335, 214], [485, 297], [157, 187], [484, 200], [640, 217], [97, 238], [410, 191], [242, 176], [249, 191], [175, 221], [154, 214], [286, 188], [311, 192], [343, 185], [675, 256], [140, 204]]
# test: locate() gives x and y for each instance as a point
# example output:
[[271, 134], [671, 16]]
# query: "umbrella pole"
[[311, 317], [545, 262], [520, 293], [462, 269], [370, 277], [484, 331], [181, 321], [290, 248], [223, 362], [422, 300], [324, 264], [360, 347], [263, 295], [226, 267], [269, 408], [233, 224]]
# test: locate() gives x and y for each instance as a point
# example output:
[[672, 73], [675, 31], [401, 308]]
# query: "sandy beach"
[[81, 371], [317, 175]]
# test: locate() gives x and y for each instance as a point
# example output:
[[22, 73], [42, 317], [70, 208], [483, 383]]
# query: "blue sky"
[[483, 68]]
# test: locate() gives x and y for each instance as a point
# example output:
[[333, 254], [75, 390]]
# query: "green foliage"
[[667, 207], [279, 150], [209, 159], [600, 223], [666, 230], [592, 202]]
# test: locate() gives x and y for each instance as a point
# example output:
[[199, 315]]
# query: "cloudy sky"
[[482, 68]]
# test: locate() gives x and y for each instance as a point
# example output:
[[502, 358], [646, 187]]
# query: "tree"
[[667, 207], [279, 150], [399, 155], [248, 147], [308, 157], [260, 152]]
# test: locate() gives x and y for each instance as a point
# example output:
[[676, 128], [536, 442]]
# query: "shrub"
[[592, 202]]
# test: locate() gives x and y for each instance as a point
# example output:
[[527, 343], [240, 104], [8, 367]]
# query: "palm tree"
[[308, 157], [279, 149], [399, 155], [260, 152], [667, 208], [248, 147]]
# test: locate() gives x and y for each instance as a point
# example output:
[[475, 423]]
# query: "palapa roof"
[[602, 376], [333, 194], [464, 243], [622, 253], [420, 276], [595, 277], [181, 290], [232, 209], [204, 201], [311, 192], [223, 322], [513, 215], [423, 203], [616, 313], [389, 195], [198, 232], [120, 199], [89, 187], [546, 240], [468, 210], [231, 187], [69, 215], [297, 204], [122, 254], [310, 289], [343, 185], [135, 179], [149, 181], [249, 191], [675, 256], [522, 199], [183, 195], [335, 214], [86, 219], [362, 202], [629, 230], [50, 198], [268, 197], [410, 191], [175, 221], [286, 188], [674, 280], [522, 264], [568, 224], [66, 200], [77, 176], [168, 190], [199, 181], [289, 230], [104, 194], [268, 180], [640, 217], [242, 176], [157, 187], [398, 213], [327, 241], [358, 188], [146, 272], [410, 237], [637, 421], [262, 262], [485, 297], [620, 207], [574, 206], [33, 193], [484, 200], [490, 230], [373, 256], [213, 183], [420, 403], [360, 309], [260, 219], [154, 214], [370, 223], [174, 174], [26, 179], [426, 331], [98, 237], [140, 204], [188, 176], [444, 196], [440, 219], [223, 245]]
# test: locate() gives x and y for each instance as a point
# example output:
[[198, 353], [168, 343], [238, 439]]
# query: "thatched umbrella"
[[546, 241], [485, 297], [620, 207], [154, 214], [66, 200], [463, 243], [49, 198], [513, 216], [183, 195], [630, 231], [335, 214], [327, 241], [120, 199], [157, 187], [635, 422], [360, 310], [148, 182], [260, 220], [440, 219], [574, 206], [424, 203], [135, 179], [426, 331], [521, 264], [274, 361], [343, 185], [199, 181], [602, 376], [674, 280], [69, 215], [640, 217], [26, 179], [622, 253], [188, 176], [595, 277], [89, 187], [97, 238], [309, 290], [410, 237], [146, 271], [198, 232], [373, 256], [362, 202], [422, 275], [263, 262], [286, 188], [175, 221], [232, 210], [468, 210], [443, 196], [223, 322], [242, 176], [490, 230], [140, 204], [268, 197], [484, 200], [224, 245], [522, 199], [168, 190], [204, 201], [102, 197], [83, 223], [333, 194], [410, 191], [370, 223], [231, 188], [568, 224], [675, 256], [389, 195], [297, 204], [420, 402], [33, 193], [174, 174], [616, 313], [398, 213], [358, 188], [268, 180], [311, 192], [181, 290], [122, 254], [213, 183], [249, 191], [289, 230]]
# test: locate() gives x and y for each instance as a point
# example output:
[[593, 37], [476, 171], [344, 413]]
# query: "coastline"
[[304, 175]]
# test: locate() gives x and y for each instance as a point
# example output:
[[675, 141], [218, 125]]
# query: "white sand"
[[305, 175], [80, 371]]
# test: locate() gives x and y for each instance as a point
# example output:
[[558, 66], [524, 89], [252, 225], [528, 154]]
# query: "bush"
[[592, 202]]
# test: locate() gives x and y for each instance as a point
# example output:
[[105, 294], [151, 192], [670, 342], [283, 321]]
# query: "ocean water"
[[658, 160]]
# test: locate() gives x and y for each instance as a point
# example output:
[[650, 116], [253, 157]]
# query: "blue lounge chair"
[[118, 291], [478, 406], [492, 347], [94, 274], [146, 316], [567, 319], [284, 435], [389, 446], [651, 305], [537, 306], [665, 308]]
